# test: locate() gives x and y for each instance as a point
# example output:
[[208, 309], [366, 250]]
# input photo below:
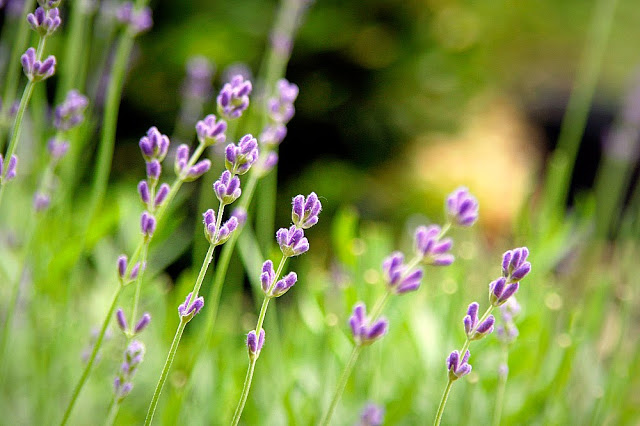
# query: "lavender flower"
[[240, 214], [147, 224], [239, 158], [227, 188], [281, 108], [398, 276], [11, 169], [255, 343], [474, 330], [41, 201], [197, 85], [138, 21], [268, 163], [210, 131], [57, 148], [189, 309], [154, 170], [283, 285], [143, 323], [218, 236], [161, 195], [44, 22], [182, 169], [431, 247], [462, 207], [233, 99], [122, 320], [273, 135], [500, 291], [365, 333], [133, 356], [457, 367], [71, 112], [507, 332], [372, 415], [292, 241], [515, 265], [122, 270], [37, 70], [154, 145], [304, 212]]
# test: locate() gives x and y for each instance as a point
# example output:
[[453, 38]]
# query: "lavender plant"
[[292, 242]]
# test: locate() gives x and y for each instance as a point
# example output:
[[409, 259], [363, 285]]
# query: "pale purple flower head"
[[147, 224], [364, 332], [133, 356], [154, 170], [233, 99], [57, 148], [305, 211], [372, 415], [225, 231], [70, 112], [268, 276], [154, 145], [41, 201], [240, 213], [473, 330], [182, 169], [189, 309], [239, 158], [121, 319], [515, 265], [143, 323], [433, 249], [273, 135], [292, 241], [8, 171], [161, 195], [268, 163], [138, 21], [283, 285], [398, 277], [211, 131], [280, 107], [227, 188], [458, 367], [197, 84], [501, 290], [37, 70], [44, 21], [462, 207], [255, 343]]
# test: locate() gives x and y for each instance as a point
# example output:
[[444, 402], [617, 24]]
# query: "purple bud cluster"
[[462, 208], [126, 275], [233, 99], [8, 169], [507, 331], [239, 158], [189, 308], [280, 107], [215, 233], [185, 170], [211, 131], [431, 247], [227, 188], [197, 84], [142, 323], [70, 112], [278, 288], [364, 330], [44, 21], [133, 356], [475, 329], [372, 415], [255, 343], [138, 21], [35, 69], [514, 268], [458, 367], [399, 277]]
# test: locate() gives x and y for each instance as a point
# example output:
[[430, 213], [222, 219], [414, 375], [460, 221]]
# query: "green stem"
[[341, 385], [443, 402], [136, 296], [245, 392], [114, 406], [92, 357], [502, 386]]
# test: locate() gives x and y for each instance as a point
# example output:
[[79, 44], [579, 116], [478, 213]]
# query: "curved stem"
[[443, 402], [245, 392], [341, 385], [92, 357], [114, 406]]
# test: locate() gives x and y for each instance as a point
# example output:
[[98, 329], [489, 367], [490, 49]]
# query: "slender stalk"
[[502, 386], [355, 353], [114, 407], [136, 296], [443, 402], [92, 357]]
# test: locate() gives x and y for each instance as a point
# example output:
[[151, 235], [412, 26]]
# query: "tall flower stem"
[[92, 357], [342, 383], [252, 363], [443, 403], [179, 331], [502, 386]]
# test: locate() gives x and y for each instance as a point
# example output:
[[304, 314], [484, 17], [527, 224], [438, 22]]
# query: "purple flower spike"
[[372, 415], [138, 20], [189, 174], [37, 70], [434, 251], [227, 188], [143, 323], [41, 201], [147, 224], [197, 84], [255, 344], [268, 164], [283, 285], [122, 320], [210, 131], [462, 207], [304, 212], [189, 309], [233, 99], [515, 265], [240, 214], [225, 231], [11, 169], [500, 291], [161, 195], [57, 148], [474, 330], [239, 158], [154, 145], [292, 241], [122, 266], [154, 170], [268, 276], [458, 368], [273, 135], [398, 277], [136, 270], [143, 191], [281, 108], [133, 356], [363, 332], [70, 113], [44, 22]]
